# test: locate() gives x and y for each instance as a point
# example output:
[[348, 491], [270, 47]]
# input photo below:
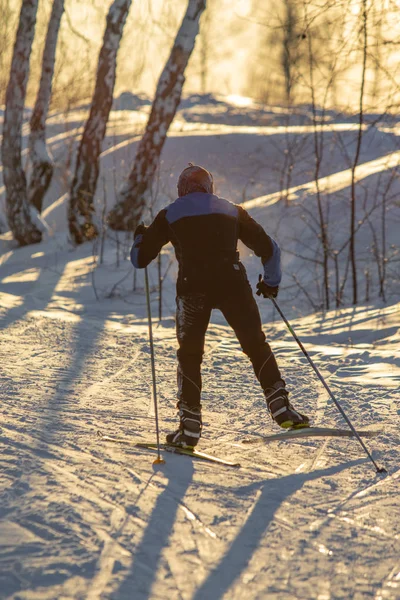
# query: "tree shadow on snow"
[[24, 501], [138, 583], [36, 294], [239, 555], [53, 425]]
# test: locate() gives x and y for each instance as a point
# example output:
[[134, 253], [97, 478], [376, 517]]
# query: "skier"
[[204, 230]]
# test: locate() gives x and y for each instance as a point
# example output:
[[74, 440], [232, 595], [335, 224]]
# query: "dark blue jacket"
[[204, 230]]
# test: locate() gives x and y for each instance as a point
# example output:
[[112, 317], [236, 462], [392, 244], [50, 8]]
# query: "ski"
[[169, 448], [308, 432], [186, 451]]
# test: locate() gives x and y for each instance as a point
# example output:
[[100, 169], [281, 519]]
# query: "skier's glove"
[[140, 229], [265, 290]]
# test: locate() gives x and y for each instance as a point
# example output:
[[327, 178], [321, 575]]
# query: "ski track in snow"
[[85, 519], [80, 518]]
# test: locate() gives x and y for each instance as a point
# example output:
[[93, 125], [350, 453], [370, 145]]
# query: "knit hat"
[[195, 179]]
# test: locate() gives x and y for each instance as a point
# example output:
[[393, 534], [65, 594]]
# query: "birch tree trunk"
[[41, 160], [17, 206], [81, 206], [6, 39], [136, 192]]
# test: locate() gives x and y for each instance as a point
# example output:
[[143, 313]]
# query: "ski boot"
[[190, 425], [281, 410]]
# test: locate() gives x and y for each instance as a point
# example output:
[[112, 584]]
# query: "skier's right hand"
[[266, 290]]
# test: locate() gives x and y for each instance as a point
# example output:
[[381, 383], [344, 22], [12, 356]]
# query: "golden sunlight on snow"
[[9, 301], [381, 373], [22, 276], [57, 314], [240, 101], [331, 183], [74, 277]]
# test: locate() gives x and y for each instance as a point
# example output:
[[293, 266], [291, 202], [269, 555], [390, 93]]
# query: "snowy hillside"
[[301, 519], [259, 156]]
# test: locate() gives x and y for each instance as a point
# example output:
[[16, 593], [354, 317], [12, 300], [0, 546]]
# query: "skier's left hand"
[[265, 290], [140, 229]]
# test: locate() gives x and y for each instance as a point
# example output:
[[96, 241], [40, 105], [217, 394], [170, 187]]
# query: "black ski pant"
[[192, 318]]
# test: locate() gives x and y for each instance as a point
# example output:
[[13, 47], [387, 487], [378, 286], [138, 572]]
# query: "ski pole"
[[158, 460], [349, 423]]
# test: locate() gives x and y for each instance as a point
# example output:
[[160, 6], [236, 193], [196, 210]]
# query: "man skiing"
[[204, 230]]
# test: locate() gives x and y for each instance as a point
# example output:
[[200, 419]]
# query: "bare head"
[[195, 179]]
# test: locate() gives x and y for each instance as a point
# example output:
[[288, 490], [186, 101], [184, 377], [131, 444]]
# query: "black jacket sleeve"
[[254, 237], [149, 243]]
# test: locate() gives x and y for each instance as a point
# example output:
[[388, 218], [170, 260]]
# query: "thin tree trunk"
[[382, 278], [81, 206], [384, 259], [318, 149], [352, 249], [17, 206], [41, 160], [136, 192], [378, 15]]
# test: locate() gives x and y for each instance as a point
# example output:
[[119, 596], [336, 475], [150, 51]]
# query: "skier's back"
[[204, 230]]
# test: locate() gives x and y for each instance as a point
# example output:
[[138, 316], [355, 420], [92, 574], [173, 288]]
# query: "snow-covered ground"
[[305, 519]]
